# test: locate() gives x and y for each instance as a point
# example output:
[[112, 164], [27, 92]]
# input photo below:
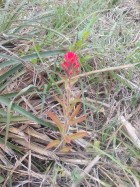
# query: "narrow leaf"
[[10, 72], [10, 107], [56, 121], [66, 149], [23, 112], [75, 112], [1, 179], [78, 120], [13, 119], [75, 100], [59, 101], [30, 57], [53, 143], [77, 135], [67, 139]]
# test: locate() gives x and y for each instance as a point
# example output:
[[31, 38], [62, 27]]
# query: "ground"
[[34, 36]]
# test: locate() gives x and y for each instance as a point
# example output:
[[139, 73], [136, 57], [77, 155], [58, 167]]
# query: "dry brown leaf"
[[19, 133], [36, 148], [4, 160], [36, 134]]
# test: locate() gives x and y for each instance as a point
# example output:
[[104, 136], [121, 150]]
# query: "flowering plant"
[[70, 65], [70, 105]]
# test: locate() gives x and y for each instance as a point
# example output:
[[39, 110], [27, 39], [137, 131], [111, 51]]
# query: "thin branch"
[[99, 71]]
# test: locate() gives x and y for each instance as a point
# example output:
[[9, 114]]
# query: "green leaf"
[[10, 72], [9, 95], [34, 61], [1, 179], [8, 81], [30, 57], [24, 90], [13, 119], [23, 112]]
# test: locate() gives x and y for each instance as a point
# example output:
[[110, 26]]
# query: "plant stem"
[[67, 110]]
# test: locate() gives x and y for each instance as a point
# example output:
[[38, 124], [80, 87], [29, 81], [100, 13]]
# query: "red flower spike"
[[70, 65]]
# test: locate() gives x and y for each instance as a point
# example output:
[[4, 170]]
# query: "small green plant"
[[70, 106]]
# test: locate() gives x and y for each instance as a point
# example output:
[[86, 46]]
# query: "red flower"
[[70, 65]]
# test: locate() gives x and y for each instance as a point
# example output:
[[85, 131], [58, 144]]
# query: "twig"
[[132, 85], [137, 110], [130, 130], [36, 148], [95, 101], [17, 164], [87, 170], [99, 71]]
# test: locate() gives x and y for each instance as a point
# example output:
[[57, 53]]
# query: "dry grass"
[[34, 37]]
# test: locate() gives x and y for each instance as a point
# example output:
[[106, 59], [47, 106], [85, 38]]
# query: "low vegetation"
[[70, 125]]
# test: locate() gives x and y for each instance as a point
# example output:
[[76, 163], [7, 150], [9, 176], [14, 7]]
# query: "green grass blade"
[[23, 112], [13, 119], [14, 147], [10, 107], [9, 95], [10, 72], [30, 57]]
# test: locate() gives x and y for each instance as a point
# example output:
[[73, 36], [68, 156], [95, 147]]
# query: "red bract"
[[70, 65]]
